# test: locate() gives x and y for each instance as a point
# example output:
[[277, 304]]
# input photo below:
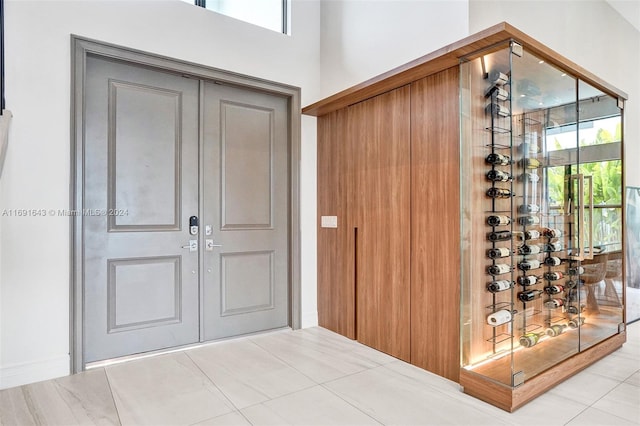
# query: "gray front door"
[[140, 187], [147, 170], [246, 204]]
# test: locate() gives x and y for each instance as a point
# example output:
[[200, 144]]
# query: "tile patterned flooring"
[[310, 377]]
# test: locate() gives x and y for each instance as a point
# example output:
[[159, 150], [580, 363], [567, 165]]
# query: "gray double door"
[[186, 210]]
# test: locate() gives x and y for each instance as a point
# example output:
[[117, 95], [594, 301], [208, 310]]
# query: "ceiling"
[[629, 9]]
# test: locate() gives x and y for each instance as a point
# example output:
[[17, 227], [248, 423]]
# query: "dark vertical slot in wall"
[[355, 283]]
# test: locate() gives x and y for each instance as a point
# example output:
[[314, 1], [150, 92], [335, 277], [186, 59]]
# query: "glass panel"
[[265, 13], [599, 132], [487, 312], [632, 253], [545, 99]]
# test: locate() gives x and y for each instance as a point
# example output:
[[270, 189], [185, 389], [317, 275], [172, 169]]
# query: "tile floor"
[[310, 377]]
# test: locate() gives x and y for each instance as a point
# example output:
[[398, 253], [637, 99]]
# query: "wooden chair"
[[595, 270], [614, 272]]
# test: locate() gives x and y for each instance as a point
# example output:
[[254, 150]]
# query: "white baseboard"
[[309, 319], [35, 371]]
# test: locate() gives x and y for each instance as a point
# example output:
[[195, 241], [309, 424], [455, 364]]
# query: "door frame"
[[82, 47]]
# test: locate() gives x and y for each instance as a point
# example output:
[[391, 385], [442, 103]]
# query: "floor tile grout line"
[[113, 397], [235, 408], [377, 365], [597, 409], [351, 404], [315, 384]]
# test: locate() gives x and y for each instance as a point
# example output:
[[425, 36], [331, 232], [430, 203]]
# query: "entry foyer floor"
[[310, 377]]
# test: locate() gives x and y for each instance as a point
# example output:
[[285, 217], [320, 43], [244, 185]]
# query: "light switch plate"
[[329, 221]]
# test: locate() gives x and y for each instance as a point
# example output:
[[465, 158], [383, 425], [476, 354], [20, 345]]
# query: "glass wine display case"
[[541, 220]]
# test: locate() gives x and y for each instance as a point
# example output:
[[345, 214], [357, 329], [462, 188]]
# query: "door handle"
[[192, 246], [209, 245]]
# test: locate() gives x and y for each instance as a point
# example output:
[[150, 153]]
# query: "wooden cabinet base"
[[511, 398]]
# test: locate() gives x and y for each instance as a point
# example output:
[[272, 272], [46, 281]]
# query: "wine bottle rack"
[[500, 219], [537, 257]]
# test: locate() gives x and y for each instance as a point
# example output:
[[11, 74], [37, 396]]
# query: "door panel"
[[134, 180], [246, 199], [246, 144], [379, 129], [140, 187], [336, 246]]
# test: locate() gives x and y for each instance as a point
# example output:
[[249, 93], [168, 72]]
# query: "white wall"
[[588, 32], [364, 38], [34, 277]]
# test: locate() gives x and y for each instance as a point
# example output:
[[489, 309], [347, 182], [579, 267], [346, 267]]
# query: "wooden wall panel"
[[336, 254], [379, 130], [435, 224]]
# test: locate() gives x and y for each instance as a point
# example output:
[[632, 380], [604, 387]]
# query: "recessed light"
[[563, 74], [541, 62], [523, 95]]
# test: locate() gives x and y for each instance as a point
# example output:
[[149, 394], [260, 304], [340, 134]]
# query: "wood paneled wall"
[[387, 276], [435, 224]]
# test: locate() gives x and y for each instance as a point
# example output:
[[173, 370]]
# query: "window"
[[599, 140], [270, 14]]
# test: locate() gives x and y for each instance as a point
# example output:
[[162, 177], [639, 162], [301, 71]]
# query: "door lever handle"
[[209, 245], [192, 246]]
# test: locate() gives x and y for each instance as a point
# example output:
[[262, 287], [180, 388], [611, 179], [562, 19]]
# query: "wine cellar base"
[[511, 398], [479, 164]]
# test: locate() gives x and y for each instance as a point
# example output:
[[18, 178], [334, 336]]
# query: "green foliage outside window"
[[607, 188]]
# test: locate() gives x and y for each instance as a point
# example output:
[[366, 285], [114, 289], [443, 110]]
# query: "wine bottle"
[[498, 159], [527, 265], [498, 252], [555, 330], [530, 163], [528, 220], [498, 78], [497, 110], [500, 317], [499, 269], [529, 208], [501, 94], [552, 261], [529, 339], [497, 220], [578, 270], [531, 235], [575, 310], [552, 232], [498, 176], [553, 247], [499, 193], [527, 280], [553, 303], [527, 249], [500, 285], [554, 289], [576, 322], [553, 276], [529, 295], [499, 236]]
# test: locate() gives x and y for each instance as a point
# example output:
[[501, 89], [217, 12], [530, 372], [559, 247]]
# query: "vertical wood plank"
[[336, 293], [435, 224], [379, 130]]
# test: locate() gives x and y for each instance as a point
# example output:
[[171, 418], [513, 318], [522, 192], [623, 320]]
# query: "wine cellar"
[[460, 221]]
